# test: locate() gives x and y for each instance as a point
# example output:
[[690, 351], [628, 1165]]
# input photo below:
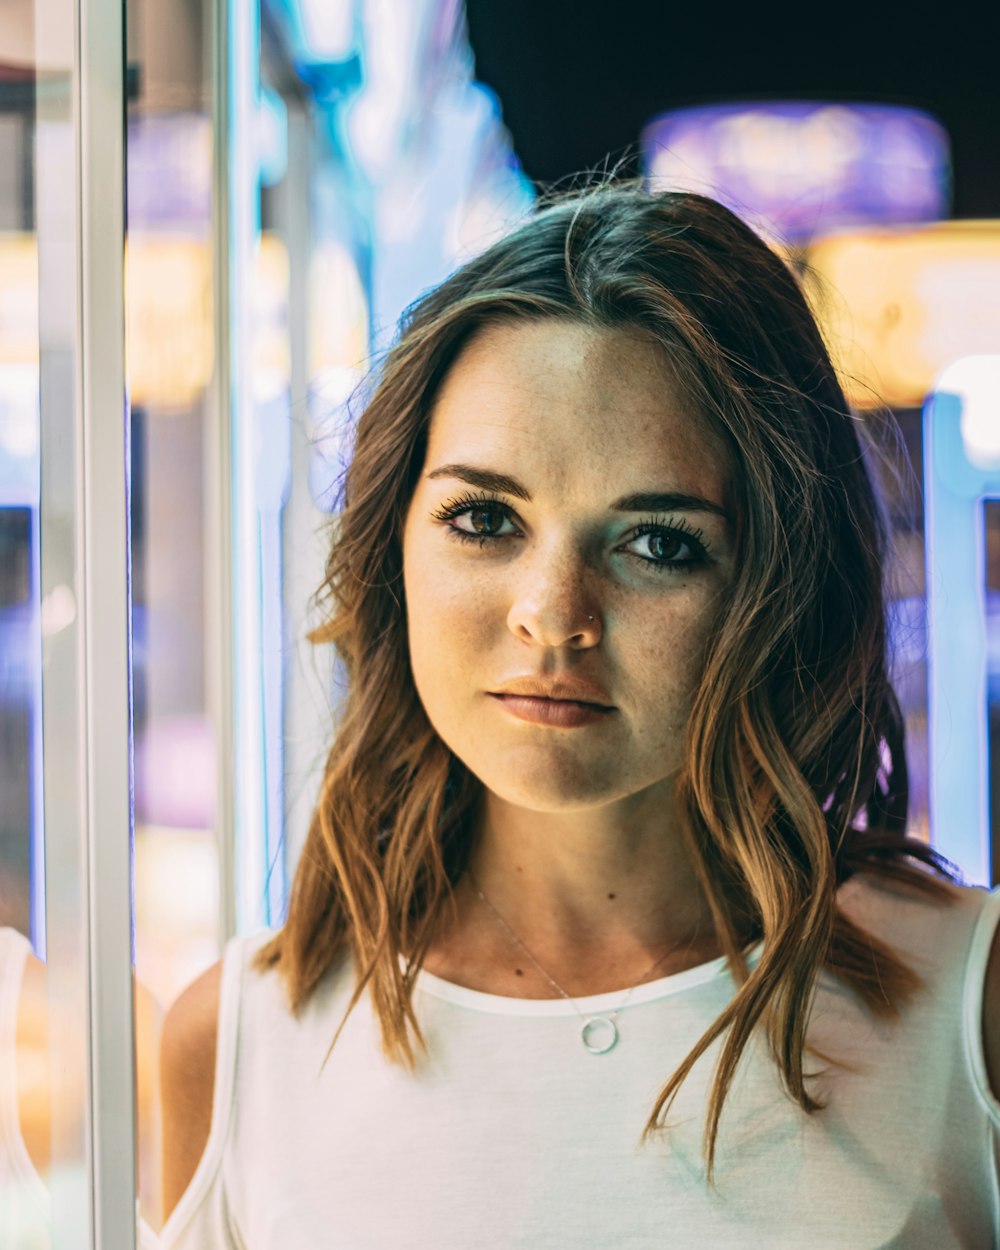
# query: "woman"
[[606, 930]]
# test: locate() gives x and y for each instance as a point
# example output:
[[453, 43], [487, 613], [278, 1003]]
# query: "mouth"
[[558, 690], [544, 710]]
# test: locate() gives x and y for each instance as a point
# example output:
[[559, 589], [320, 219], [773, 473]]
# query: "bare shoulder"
[[187, 1080], [904, 910]]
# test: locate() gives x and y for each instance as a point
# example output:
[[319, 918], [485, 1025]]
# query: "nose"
[[554, 608]]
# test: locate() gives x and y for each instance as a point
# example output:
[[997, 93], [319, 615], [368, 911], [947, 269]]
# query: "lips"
[[558, 702], [557, 713], [563, 689]]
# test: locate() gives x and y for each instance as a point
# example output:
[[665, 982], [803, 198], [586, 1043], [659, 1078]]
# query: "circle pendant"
[[599, 1034]]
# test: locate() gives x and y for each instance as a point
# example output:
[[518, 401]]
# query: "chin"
[[546, 783]]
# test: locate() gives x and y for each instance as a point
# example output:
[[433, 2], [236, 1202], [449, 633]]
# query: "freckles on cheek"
[[668, 651], [445, 603]]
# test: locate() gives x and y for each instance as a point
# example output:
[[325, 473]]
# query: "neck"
[[601, 900]]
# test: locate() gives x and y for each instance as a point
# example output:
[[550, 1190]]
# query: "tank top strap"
[[208, 1179], [983, 932]]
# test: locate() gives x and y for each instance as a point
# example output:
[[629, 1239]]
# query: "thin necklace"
[[599, 1033]]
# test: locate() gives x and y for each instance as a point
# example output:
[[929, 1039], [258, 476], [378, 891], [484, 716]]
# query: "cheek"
[[442, 603], [666, 650], [450, 621]]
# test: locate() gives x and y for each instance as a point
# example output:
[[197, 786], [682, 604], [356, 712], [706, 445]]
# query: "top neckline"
[[649, 991]]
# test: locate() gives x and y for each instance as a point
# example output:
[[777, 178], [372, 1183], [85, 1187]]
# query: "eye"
[[482, 517], [665, 542]]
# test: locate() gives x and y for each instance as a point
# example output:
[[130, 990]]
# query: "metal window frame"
[[219, 614], [105, 634], [86, 729]]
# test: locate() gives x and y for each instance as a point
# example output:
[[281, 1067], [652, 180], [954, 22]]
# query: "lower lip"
[[563, 713]]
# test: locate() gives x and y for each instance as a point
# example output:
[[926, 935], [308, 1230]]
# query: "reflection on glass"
[[26, 1095], [25, 1114], [24, 1131], [47, 1111], [171, 361]]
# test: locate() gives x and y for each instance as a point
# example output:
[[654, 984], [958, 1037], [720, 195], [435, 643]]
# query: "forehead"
[[579, 402]]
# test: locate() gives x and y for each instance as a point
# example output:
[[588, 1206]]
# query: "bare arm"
[[187, 1080]]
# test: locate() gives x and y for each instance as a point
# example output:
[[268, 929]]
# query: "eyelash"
[[693, 538]]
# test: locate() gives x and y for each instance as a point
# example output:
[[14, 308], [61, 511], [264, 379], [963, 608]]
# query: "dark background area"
[[578, 79]]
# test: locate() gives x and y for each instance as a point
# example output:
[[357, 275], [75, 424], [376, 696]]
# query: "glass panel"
[[326, 333], [66, 1177], [43, 1011], [175, 506], [35, 1126]]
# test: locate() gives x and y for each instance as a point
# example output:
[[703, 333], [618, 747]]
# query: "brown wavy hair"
[[794, 775]]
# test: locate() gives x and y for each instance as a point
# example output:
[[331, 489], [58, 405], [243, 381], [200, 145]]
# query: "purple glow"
[[170, 173], [801, 169], [175, 773]]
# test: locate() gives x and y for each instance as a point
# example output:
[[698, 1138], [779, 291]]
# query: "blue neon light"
[[957, 659], [313, 62]]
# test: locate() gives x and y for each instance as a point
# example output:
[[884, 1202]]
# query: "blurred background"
[[291, 175]]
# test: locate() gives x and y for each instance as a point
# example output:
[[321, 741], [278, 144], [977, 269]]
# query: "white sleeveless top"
[[511, 1135]]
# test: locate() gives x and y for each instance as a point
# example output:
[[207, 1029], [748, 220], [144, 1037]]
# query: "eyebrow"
[[642, 501]]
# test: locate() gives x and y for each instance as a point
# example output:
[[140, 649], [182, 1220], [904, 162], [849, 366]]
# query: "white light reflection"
[[976, 381], [328, 26]]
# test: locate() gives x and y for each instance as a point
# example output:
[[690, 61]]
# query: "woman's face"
[[560, 571]]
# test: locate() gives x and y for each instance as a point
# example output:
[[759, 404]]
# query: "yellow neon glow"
[[896, 307], [169, 332], [19, 299]]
